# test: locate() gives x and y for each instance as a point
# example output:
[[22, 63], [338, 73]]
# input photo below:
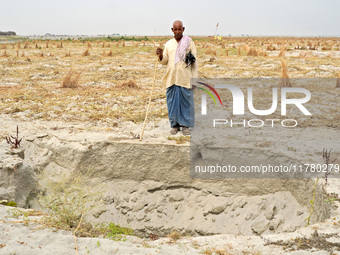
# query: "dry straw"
[[303, 54], [210, 52], [252, 52], [86, 53], [285, 77], [71, 80], [283, 51], [131, 84], [338, 81], [60, 45], [4, 54]]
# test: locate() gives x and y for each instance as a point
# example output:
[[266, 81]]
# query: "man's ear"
[[183, 29], [172, 29]]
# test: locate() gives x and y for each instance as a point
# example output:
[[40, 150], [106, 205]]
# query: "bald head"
[[178, 29], [177, 23]]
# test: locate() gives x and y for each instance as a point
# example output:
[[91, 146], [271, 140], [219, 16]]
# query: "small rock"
[[270, 212], [218, 209], [299, 212], [160, 209], [260, 226], [109, 199], [274, 224], [176, 196], [98, 211], [248, 216], [42, 135]]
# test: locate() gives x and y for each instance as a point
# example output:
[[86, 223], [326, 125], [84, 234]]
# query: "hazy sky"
[[151, 17]]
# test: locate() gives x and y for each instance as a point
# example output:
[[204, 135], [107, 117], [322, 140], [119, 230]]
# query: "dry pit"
[[147, 186]]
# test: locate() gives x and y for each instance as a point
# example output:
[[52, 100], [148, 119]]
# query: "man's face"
[[178, 30]]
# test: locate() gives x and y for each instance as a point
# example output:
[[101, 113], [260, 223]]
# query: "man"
[[179, 96]]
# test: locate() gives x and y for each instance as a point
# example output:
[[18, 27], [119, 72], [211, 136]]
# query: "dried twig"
[[326, 155], [15, 143], [74, 233]]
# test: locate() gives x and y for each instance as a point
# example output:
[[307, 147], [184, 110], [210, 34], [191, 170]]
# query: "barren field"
[[111, 80], [80, 105]]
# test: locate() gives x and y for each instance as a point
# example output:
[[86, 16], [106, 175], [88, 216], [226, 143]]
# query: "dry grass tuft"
[[246, 48], [174, 236], [252, 52], [303, 54], [128, 84], [89, 45], [71, 80], [86, 53], [4, 54], [285, 77], [108, 54], [210, 52], [4, 47], [60, 45], [262, 53], [338, 81], [68, 54], [283, 51]]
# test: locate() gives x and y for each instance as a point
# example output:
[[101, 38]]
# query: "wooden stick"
[[147, 111], [74, 233]]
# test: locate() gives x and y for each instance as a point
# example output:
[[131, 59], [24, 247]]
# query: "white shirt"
[[178, 75]]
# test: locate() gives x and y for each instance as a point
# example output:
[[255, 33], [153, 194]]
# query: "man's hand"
[[159, 53]]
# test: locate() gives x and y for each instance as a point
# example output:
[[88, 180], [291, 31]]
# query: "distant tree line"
[[8, 33]]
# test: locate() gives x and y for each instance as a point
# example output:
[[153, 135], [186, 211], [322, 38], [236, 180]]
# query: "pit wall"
[[147, 186]]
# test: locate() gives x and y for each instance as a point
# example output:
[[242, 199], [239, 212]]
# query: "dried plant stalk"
[[86, 53], [285, 76], [338, 81]]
